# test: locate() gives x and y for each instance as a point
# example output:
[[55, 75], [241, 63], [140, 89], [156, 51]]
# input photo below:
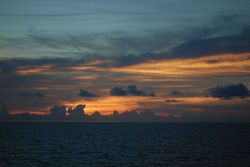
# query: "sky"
[[178, 58]]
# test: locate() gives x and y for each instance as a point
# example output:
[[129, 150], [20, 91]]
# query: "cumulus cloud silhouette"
[[63, 113], [58, 112], [118, 91], [76, 113], [229, 91], [86, 94], [130, 90]]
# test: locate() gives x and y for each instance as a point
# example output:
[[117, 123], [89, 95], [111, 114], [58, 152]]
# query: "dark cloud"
[[230, 91], [133, 90], [176, 93], [171, 101], [130, 59], [130, 90], [118, 91], [39, 94], [96, 116], [4, 114], [62, 113], [7, 66], [136, 116], [198, 46], [86, 94], [11, 65], [76, 113], [25, 94], [31, 94], [152, 94], [216, 45], [58, 112]]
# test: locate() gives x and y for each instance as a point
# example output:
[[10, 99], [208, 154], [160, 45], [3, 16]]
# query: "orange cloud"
[[33, 70], [232, 64], [92, 65]]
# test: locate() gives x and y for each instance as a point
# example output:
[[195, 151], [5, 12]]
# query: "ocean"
[[70, 144]]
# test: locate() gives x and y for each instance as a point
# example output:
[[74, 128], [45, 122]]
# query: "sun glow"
[[106, 105]]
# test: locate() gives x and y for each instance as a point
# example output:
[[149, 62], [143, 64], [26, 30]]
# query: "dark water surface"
[[124, 144]]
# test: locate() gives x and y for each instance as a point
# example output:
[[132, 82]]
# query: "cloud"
[[171, 101], [118, 91], [126, 60], [176, 93], [31, 94], [213, 45], [199, 46], [230, 91], [76, 113], [58, 112], [39, 94], [46, 14], [152, 94], [62, 113], [13, 64], [86, 94], [130, 90]]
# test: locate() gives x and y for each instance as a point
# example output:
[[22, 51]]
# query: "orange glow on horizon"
[[106, 105], [16, 112]]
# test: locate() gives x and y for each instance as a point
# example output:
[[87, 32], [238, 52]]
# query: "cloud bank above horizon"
[[169, 57]]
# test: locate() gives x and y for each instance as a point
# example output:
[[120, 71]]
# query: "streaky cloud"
[[31, 94]]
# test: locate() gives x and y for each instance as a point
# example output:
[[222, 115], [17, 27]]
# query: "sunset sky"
[[178, 57]]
